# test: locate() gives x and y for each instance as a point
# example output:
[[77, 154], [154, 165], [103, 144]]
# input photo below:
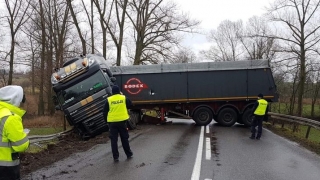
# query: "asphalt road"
[[182, 151]]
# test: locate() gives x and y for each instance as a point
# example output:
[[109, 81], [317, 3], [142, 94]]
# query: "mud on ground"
[[66, 146]]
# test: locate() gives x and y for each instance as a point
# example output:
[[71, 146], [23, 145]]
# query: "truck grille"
[[89, 115]]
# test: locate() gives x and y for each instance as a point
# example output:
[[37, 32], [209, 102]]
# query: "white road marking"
[[208, 149], [207, 129], [207, 179], [197, 164]]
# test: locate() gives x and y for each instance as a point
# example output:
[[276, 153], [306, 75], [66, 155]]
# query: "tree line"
[[44, 34]]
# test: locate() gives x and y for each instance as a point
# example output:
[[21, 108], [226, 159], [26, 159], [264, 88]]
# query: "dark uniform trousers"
[[116, 128], [256, 121], [10, 172]]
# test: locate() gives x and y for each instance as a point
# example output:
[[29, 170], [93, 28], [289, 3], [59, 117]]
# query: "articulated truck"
[[221, 91]]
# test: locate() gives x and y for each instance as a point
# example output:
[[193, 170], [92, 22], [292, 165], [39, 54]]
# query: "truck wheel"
[[202, 116], [131, 124], [247, 117], [133, 120], [227, 117], [136, 116]]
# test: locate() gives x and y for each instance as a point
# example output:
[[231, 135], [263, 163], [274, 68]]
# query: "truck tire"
[[133, 120], [131, 124], [247, 117], [203, 116], [227, 117]]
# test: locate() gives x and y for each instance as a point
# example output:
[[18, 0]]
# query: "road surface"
[[182, 151]]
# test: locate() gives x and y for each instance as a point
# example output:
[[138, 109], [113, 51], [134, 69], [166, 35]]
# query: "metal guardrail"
[[41, 138], [297, 120]]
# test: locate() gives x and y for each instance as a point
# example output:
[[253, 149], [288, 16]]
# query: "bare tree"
[[313, 86], [184, 55], [297, 20], [226, 42], [90, 17], [76, 23], [114, 24], [3, 77], [43, 57], [104, 20], [155, 29], [17, 17], [257, 47]]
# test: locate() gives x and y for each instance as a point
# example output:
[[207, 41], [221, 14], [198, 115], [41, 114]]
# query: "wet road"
[[173, 151]]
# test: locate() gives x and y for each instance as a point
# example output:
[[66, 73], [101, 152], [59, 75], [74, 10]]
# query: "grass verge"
[[312, 143]]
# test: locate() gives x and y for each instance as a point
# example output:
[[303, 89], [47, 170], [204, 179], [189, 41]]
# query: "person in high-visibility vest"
[[260, 113], [13, 138], [116, 114]]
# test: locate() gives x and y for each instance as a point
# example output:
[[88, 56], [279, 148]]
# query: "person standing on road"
[[13, 139], [260, 113], [116, 113]]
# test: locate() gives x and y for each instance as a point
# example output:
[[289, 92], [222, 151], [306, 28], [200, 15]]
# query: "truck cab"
[[82, 86]]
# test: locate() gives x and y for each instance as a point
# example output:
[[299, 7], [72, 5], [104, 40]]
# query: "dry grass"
[[44, 121]]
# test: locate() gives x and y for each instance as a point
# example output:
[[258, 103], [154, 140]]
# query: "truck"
[[204, 91], [81, 87]]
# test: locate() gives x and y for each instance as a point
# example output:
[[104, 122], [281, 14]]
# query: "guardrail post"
[[308, 132], [64, 123]]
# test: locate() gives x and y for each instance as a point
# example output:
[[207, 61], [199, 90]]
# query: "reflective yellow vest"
[[13, 139], [262, 107], [117, 108]]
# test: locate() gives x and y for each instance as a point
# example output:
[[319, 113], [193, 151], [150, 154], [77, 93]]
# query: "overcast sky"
[[212, 12]]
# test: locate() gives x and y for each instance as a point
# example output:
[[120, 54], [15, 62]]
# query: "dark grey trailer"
[[224, 91]]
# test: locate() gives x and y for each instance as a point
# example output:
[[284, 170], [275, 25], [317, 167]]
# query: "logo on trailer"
[[134, 86]]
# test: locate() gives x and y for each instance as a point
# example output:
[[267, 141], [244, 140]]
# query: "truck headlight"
[[54, 80], [90, 61]]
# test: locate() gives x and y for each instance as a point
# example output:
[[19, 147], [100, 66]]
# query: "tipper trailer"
[[223, 91]]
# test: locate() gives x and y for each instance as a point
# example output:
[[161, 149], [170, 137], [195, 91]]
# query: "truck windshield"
[[83, 89]]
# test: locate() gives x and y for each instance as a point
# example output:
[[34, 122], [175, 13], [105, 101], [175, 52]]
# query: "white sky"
[[212, 12]]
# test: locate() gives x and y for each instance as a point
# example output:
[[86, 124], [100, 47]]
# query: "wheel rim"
[[203, 116], [227, 117]]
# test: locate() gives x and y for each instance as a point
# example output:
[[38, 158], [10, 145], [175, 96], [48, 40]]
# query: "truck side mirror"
[[55, 100], [113, 79], [57, 107]]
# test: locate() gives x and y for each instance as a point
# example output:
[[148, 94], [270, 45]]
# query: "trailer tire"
[[247, 117], [203, 116], [227, 117]]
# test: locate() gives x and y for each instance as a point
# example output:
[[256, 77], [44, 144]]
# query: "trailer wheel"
[[202, 116], [247, 117], [227, 117]]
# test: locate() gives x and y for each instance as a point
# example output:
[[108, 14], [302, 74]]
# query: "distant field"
[[282, 108]]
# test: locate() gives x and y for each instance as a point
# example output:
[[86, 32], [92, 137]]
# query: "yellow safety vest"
[[117, 108], [262, 107], [12, 137]]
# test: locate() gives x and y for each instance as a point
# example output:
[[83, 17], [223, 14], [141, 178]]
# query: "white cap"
[[11, 94]]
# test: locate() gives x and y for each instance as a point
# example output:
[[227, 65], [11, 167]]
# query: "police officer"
[[116, 113], [13, 140], [260, 113]]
